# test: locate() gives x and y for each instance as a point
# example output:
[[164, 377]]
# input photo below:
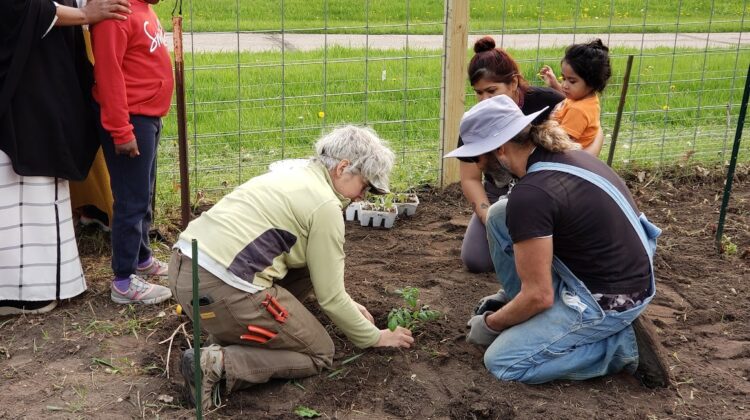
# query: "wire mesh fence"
[[264, 79]]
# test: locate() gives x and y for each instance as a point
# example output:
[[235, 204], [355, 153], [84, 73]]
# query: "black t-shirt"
[[535, 99], [590, 233]]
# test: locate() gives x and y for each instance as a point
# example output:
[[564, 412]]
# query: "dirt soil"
[[91, 358]]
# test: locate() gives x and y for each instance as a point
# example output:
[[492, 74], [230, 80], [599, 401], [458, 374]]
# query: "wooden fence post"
[[452, 89]]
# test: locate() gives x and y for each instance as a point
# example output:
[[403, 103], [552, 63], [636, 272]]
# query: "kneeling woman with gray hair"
[[262, 249]]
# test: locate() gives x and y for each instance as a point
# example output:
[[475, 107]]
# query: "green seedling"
[[403, 198], [306, 412], [382, 202], [411, 315], [728, 247], [387, 201]]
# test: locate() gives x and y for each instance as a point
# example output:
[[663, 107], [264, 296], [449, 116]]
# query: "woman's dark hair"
[[495, 65], [591, 63]]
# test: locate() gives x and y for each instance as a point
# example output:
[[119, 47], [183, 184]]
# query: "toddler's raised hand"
[[548, 76]]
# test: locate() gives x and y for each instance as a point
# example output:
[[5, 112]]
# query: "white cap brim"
[[478, 146]]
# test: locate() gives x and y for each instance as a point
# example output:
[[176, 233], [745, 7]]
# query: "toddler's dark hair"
[[494, 64], [591, 63]]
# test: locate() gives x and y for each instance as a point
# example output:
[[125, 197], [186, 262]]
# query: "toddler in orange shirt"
[[585, 72]]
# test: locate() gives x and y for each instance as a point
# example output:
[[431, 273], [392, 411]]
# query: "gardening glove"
[[480, 333], [491, 302]]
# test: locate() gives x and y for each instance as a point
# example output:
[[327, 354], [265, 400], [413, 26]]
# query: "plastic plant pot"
[[406, 204], [378, 217], [352, 211]]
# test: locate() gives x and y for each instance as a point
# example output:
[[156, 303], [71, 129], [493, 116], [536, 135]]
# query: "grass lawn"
[[426, 16], [247, 110]]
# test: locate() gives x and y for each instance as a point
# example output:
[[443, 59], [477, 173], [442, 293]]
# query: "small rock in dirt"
[[165, 398]]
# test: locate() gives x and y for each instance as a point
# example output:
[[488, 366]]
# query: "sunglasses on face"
[[472, 159]]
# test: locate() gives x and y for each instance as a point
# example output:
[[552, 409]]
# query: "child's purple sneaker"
[[140, 291], [155, 268]]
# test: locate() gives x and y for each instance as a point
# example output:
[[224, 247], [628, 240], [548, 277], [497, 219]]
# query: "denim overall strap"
[[615, 194]]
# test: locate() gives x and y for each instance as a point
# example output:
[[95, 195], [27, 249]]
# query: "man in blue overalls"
[[572, 252]]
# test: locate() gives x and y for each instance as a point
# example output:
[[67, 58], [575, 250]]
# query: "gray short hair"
[[369, 155]]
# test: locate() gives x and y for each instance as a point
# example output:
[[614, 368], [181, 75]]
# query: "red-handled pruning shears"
[[273, 306], [258, 334]]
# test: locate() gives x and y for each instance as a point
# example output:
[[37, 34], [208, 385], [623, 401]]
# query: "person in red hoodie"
[[133, 88]]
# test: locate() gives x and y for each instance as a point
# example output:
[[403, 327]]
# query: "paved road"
[[254, 42]]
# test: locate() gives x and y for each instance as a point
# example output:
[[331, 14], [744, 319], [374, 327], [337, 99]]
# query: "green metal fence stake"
[[620, 108], [197, 335], [733, 161]]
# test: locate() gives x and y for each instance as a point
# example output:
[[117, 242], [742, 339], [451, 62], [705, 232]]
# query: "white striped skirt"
[[38, 250]]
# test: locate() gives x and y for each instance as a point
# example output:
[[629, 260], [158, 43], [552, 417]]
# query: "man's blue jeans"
[[132, 181], [574, 339]]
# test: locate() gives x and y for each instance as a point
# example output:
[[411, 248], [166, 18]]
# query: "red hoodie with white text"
[[132, 70]]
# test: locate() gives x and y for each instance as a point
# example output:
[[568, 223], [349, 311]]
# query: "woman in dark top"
[[493, 72]]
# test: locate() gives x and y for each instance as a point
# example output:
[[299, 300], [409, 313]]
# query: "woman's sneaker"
[[156, 268], [140, 291]]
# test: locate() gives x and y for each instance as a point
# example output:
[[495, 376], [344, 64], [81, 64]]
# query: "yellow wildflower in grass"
[[665, 107], [321, 114]]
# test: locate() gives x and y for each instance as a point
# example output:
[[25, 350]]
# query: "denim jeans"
[[574, 339], [132, 181]]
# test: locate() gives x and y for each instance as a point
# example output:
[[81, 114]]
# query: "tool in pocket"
[[258, 334], [273, 306]]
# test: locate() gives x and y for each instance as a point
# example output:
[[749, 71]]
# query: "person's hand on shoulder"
[[130, 149], [400, 337], [99, 10]]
